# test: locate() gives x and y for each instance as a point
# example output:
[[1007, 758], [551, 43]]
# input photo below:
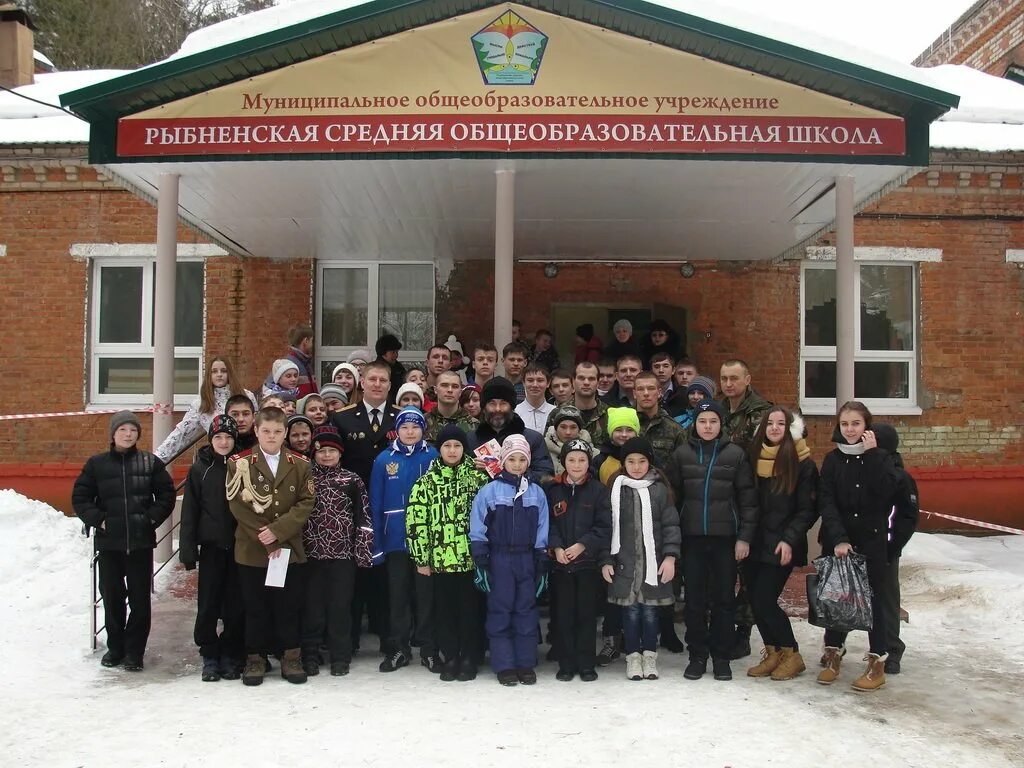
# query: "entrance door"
[[566, 317], [676, 317]]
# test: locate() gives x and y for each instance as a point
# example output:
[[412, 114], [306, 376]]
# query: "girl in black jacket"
[[859, 483], [208, 539], [787, 481], [579, 537]]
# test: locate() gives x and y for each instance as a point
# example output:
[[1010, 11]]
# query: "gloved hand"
[[542, 584], [482, 580]]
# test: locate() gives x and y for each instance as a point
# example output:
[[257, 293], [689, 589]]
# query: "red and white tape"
[[976, 523], [159, 408]]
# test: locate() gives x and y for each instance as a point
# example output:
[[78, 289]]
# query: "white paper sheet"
[[277, 567]]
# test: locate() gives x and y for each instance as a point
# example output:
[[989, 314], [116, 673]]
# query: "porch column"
[[846, 276], [504, 232], [163, 330]]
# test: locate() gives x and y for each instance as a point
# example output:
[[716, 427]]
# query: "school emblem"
[[509, 50], [392, 468]]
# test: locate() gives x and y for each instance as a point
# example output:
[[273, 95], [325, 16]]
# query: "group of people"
[[446, 504]]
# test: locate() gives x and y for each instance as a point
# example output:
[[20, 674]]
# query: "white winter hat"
[[454, 345], [345, 367], [406, 388], [281, 367], [359, 354]]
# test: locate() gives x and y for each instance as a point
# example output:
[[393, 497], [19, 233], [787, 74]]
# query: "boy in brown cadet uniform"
[[270, 494]]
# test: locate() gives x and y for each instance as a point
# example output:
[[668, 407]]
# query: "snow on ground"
[[957, 702]]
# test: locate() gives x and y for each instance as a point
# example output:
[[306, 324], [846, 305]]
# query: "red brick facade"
[[989, 37]]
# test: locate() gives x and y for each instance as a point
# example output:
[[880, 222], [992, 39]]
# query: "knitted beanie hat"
[[514, 444], [121, 418], [346, 367], [327, 437], [576, 444], [639, 445], [406, 388], [704, 384], [623, 417], [567, 413], [281, 367], [452, 432], [222, 423], [410, 415]]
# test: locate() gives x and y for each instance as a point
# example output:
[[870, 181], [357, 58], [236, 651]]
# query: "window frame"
[[137, 351], [324, 353], [826, 406]]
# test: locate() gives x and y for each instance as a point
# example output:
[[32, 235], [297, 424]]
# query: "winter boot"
[[832, 659], [508, 678], [526, 676], [211, 669], [450, 670], [696, 668], [311, 665], [255, 668], [790, 664], [231, 668], [634, 666], [588, 675], [649, 665], [609, 652], [741, 648], [467, 670], [133, 663], [564, 674], [892, 665], [721, 669], [769, 661], [874, 676], [111, 659], [339, 669], [823, 661], [291, 666]]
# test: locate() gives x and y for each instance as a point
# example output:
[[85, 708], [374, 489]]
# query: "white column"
[[504, 232], [846, 276], [163, 329]]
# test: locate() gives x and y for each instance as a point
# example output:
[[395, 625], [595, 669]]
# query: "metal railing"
[[97, 598]]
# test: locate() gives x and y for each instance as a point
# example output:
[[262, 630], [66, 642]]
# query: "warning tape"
[[159, 408], [977, 523]]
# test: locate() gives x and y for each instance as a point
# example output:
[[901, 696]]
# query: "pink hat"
[[514, 444]]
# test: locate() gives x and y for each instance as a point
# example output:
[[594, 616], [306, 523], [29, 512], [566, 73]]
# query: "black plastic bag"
[[842, 597]]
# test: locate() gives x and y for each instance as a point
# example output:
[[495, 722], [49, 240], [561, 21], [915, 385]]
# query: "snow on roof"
[[43, 58], [27, 122], [990, 117]]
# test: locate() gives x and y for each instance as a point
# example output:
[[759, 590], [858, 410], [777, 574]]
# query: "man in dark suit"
[[366, 429]]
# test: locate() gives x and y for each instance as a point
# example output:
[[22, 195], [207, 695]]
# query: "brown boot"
[[255, 668], [791, 664], [769, 661], [823, 661], [831, 659], [874, 676], [291, 666]]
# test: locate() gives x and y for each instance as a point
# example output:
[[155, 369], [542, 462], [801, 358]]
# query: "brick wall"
[[988, 37]]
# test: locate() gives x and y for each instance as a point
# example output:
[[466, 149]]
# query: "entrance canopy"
[[635, 131]]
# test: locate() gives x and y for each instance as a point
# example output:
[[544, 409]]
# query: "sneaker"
[[393, 661], [526, 676], [588, 675], [649, 665], [311, 665], [433, 663], [467, 670], [255, 669], [231, 668], [339, 669], [721, 669], [508, 678], [133, 663], [892, 666], [565, 675], [450, 670], [211, 669], [696, 668], [111, 659], [634, 667], [609, 652]]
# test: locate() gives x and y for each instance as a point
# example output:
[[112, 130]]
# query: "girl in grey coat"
[[644, 549]]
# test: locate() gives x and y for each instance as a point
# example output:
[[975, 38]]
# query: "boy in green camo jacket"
[[437, 530]]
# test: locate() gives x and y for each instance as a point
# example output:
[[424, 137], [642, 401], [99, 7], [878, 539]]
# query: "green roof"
[[103, 104]]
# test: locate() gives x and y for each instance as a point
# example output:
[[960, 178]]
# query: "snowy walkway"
[[958, 702]]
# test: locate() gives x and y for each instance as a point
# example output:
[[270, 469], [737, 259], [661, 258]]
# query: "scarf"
[[856, 449], [646, 523], [766, 461], [407, 450]]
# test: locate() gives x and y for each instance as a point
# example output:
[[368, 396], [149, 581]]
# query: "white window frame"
[[826, 406], [372, 309], [129, 256]]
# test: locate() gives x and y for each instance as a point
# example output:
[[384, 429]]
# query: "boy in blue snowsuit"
[[508, 533], [395, 470]]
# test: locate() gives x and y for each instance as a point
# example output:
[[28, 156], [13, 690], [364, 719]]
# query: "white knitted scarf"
[[646, 523]]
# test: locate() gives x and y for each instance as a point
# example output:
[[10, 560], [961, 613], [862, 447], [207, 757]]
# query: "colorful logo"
[[509, 50]]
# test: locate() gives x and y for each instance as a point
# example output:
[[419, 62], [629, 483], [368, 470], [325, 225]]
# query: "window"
[[121, 367], [885, 357], [358, 302]]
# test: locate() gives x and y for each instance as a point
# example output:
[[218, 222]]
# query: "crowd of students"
[[441, 504]]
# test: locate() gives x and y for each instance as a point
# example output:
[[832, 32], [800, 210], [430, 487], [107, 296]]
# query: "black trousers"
[[370, 597], [220, 599], [575, 598], [611, 624], [130, 576], [327, 609], [765, 582], [709, 566], [456, 615], [878, 636], [406, 587], [890, 598], [272, 614]]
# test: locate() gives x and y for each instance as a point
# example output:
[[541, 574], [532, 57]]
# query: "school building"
[[850, 226]]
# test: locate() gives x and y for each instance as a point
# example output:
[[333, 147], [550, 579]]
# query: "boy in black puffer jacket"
[[713, 479], [579, 537], [124, 494], [208, 539]]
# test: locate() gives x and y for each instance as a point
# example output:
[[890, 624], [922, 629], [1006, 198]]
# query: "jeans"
[[640, 626]]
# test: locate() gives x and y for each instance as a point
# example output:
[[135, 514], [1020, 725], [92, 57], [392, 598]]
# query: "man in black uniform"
[[366, 429]]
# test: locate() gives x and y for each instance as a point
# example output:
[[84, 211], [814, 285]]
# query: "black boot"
[[450, 670], [669, 639], [696, 668], [722, 669], [741, 648], [211, 669], [467, 669]]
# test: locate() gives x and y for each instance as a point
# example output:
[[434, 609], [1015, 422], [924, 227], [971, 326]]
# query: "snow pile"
[[990, 117], [28, 122]]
